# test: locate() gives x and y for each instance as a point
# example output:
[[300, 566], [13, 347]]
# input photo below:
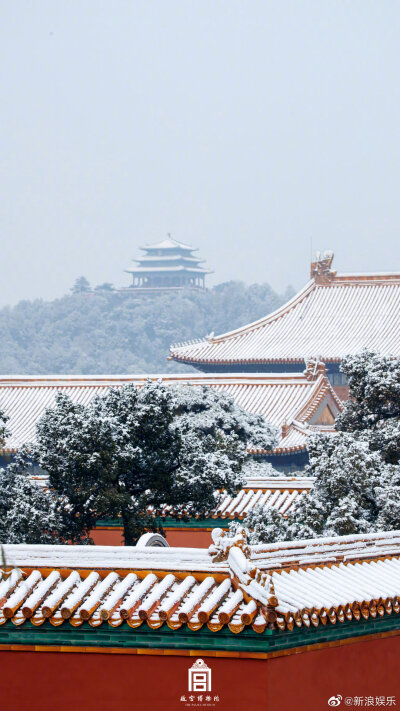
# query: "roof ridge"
[[287, 306]]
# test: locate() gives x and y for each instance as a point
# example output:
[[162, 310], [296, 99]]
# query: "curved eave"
[[279, 450], [244, 361]]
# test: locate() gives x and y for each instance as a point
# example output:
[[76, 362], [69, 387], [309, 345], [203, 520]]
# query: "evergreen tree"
[[254, 469], [27, 513], [357, 471], [137, 448], [373, 409], [119, 332], [81, 286], [262, 525], [106, 286], [342, 500], [3, 428]]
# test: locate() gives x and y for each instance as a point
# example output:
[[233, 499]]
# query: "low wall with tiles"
[[97, 679]]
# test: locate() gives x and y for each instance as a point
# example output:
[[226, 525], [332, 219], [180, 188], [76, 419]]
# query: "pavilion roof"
[[169, 244], [278, 586], [332, 316], [291, 401], [183, 258], [150, 269]]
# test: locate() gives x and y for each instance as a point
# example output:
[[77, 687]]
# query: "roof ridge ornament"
[[321, 270], [255, 584], [314, 368]]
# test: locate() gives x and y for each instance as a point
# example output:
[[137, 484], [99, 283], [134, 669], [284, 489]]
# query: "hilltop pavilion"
[[168, 265], [332, 316]]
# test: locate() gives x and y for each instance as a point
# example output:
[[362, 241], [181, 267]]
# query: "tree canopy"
[[134, 450], [357, 471], [106, 331]]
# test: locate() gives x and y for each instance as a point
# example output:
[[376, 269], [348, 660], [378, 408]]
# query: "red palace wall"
[[58, 681], [177, 538]]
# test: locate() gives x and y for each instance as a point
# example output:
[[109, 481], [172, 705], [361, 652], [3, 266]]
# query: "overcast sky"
[[248, 129]]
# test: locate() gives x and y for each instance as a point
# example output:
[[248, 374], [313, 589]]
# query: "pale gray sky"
[[244, 128]]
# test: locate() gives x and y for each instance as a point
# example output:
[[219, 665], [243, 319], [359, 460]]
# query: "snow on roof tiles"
[[302, 583], [174, 268], [291, 398], [169, 243], [278, 493], [332, 316]]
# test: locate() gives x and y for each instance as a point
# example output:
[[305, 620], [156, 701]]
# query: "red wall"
[[56, 681], [178, 538]]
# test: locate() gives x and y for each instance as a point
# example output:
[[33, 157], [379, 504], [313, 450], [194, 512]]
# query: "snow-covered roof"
[[282, 585], [169, 243], [173, 268], [279, 493], [332, 316], [182, 258], [291, 401], [276, 492]]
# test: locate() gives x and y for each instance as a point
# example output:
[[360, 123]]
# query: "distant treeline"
[[106, 331]]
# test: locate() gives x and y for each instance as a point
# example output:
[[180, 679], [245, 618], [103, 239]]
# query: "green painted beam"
[[169, 522], [184, 638]]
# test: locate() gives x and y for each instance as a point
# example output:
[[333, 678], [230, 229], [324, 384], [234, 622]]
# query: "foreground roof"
[[332, 316], [294, 402], [279, 586]]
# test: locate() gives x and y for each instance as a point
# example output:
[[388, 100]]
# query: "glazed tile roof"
[[303, 584], [279, 493], [332, 316], [292, 399]]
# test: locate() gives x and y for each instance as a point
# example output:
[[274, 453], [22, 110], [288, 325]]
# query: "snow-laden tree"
[[357, 471], [136, 449], [255, 469], [262, 525], [3, 428], [373, 409], [28, 514], [342, 500]]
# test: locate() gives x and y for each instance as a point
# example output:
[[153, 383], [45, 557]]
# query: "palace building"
[[290, 625], [332, 316], [296, 403], [167, 265]]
